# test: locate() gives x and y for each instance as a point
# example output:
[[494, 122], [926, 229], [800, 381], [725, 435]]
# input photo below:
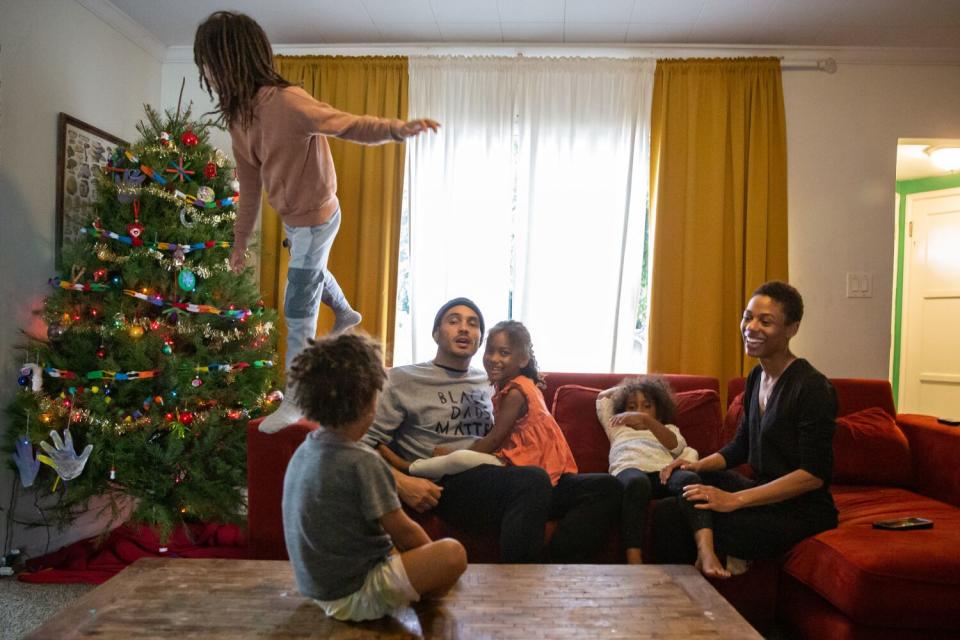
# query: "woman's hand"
[[676, 463], [707, 497]]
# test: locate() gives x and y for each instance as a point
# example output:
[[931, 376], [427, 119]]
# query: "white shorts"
[[385, 589]]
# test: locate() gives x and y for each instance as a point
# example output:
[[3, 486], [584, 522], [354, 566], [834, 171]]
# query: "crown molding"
[[843, 55], [127, 27]]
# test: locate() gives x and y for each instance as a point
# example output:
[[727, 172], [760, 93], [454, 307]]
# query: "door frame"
[[908, 192]]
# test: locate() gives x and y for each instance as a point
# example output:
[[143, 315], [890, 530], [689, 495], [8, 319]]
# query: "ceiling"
[[913, 161], [786, 23]]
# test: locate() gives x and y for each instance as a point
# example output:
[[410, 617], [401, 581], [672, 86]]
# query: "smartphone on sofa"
[[904, 524]]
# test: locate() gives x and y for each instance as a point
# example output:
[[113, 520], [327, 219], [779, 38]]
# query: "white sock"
[[285, 415]]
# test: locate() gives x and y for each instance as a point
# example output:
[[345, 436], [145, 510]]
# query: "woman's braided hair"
[[234, 57], [519, 338]]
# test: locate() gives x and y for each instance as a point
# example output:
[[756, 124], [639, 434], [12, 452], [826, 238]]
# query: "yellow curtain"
[[369, 186], [718, 194]]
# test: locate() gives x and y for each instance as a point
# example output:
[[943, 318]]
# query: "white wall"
[[842, 133], [54, 56]]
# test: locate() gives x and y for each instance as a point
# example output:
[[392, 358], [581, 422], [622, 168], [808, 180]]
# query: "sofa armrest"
[[935, 449], [268, 455]]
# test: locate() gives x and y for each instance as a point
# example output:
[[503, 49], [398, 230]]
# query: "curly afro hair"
[[337, 378], [655, 389]]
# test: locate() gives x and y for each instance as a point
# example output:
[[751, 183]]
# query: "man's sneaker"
[[285, 415]]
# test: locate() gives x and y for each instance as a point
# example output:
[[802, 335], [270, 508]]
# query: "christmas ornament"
[[55, 331], [132, 179], [168, 417], [183, 218], [167, 349], [136, 331], [187, 280], [189, 138], [62, 458], [186, 418], [206, 194], [178, 257], [135, 229], [101, 353], [275, 396], [26, 461], [164, 138], [210, 171], [30, 375], [196, 382], [181, 170], [219, 157], [103, 254], [99, 275], [116, 280], [235, 185]]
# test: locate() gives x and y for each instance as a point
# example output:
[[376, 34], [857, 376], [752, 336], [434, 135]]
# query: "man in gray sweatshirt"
[[447, 403]]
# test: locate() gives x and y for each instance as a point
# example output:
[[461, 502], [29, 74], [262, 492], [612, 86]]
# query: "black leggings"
[[639, 487], [587, 506]]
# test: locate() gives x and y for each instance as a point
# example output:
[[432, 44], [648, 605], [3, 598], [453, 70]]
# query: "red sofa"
[[856, 582], [852, 582], [699, 420]]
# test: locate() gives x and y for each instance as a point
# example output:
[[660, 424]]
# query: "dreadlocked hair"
[[336, 378], [235, 59], [519, 338], [656, 390]]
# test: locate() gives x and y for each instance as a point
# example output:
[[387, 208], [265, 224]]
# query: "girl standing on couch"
[[637, 416], [279, 135]]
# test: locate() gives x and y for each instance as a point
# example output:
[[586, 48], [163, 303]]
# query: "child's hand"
[[632, 419], [414, 127], [238, 259], [442, 451]]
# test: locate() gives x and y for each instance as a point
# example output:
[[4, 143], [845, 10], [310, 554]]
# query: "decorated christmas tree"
[[156, 353]]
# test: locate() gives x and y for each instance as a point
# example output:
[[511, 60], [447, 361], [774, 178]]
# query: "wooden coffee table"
[[171, 598]]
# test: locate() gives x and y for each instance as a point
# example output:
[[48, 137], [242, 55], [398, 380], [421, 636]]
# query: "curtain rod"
[[827, 65]]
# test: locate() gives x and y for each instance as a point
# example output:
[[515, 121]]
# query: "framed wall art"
[[82, 153]]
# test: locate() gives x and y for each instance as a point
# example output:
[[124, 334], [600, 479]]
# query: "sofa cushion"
[[575, 410], [869, 448], [880, 578]]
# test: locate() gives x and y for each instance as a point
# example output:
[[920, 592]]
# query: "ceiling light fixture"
[[947, 158]]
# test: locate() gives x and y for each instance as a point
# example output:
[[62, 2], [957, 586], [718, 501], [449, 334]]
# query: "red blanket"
[[96, 562]]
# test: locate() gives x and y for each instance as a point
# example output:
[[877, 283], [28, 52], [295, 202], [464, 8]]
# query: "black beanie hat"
[[466, 302]]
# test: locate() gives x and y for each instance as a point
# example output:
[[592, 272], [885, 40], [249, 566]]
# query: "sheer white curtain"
[[532, 200]]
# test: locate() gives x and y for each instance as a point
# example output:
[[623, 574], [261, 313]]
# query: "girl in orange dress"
[[524, 432]]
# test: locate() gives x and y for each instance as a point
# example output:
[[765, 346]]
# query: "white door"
[[930, 365]]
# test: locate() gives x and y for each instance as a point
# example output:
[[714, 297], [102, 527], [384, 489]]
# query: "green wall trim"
[[905, 188]]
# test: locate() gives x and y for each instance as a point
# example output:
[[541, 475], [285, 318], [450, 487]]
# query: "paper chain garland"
[[162, 246], [157, 300], [77, 286], [157, 177], [118, 376]]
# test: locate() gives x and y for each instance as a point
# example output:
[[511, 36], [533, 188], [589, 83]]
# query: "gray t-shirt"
[[424, 405], [334, 493]]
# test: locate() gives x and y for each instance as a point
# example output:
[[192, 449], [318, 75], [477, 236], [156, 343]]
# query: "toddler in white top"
[[637, 416]]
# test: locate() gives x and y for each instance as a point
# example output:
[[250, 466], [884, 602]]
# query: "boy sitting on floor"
[[353, 549]]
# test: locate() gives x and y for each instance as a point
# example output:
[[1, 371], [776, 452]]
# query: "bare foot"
[[634, 556], [710, 566]]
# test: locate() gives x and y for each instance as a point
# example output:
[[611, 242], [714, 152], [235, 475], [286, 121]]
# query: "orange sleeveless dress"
[[536, 439]]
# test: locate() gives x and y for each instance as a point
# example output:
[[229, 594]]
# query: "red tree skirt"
[[93, 563]]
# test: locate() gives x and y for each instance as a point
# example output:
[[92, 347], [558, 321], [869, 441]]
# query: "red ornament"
[[189, 139], [99, 275], [186, 418], [168, 417], [164, 138], [101, 353], [210, 171], [135, 230]]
